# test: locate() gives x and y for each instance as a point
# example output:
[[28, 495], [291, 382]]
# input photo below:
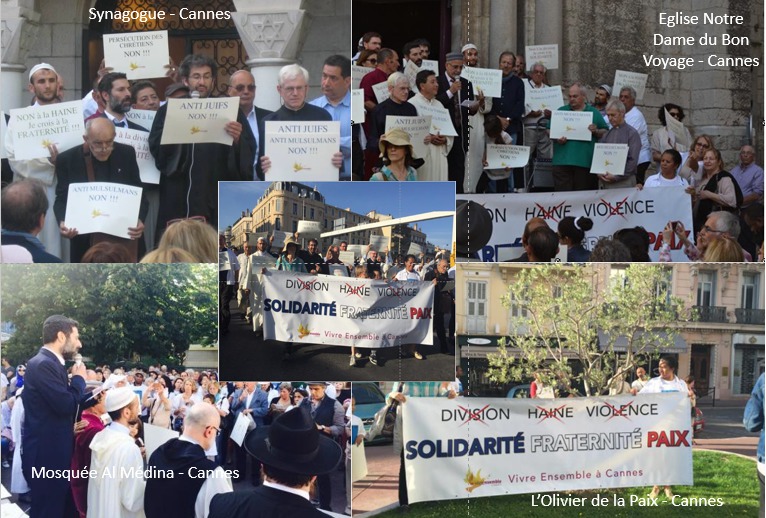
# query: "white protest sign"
[[302, 150], [440, 119], [346, 257], [636, 80], [252, 238], [677, 128], [415, 249], [357, 73], [199, 120], [156, 436], [139, 141], [610, 210], [381, 91], [3, 131], [304, 308], [547, 98], [501, 156], [358, 250], [338, 270], [224, 261], [279, 239], [259, 262], [357, 106], [430, 64], [35, 128], [410, 71], [144, 118], [308, 228], [358, 463], [548, 55], [487, 80], [609, 158], [379, 243], [417, 128], [110, 208], [139, 55], [240, 428], [572, 125], [532, 446]]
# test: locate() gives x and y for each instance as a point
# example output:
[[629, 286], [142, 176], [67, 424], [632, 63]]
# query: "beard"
[[118, 106]]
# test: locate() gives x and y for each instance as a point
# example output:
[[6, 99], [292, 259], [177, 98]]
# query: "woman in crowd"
[[571, 234], [637, 241], [17, 381], [298, 396], [692, 165], [398, 156], [714, 190], [178, 387], [195, 236], [724, 250], [670, 161], [183, 401], [288, 259], [667, 381], [663, 138], [280, 404], [157, 401], [367, 58]]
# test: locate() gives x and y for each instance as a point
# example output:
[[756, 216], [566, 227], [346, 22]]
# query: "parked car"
[[369, 399], [519, 391]]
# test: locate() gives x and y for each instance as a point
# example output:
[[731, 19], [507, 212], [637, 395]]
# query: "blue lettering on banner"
[[460, 447], [297, 307]]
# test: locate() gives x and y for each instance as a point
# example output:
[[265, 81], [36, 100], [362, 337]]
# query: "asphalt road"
[[243, 355]]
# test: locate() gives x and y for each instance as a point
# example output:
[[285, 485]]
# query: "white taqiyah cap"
[[41, 66], [468, 46], [119, 398]]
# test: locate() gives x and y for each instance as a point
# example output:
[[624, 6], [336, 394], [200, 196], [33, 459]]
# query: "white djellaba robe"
[[242, 304], [252, 280], [435, 169], [18, 482], [476, 140], [117, 490]]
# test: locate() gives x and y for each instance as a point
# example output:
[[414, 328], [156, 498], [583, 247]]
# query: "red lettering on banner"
[[677, 438], [418, 313]]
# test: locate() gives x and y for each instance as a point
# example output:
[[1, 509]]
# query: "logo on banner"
[[475, 480], [480, 415], [558, 413], [311, 285], [303, 331], [624, 411]]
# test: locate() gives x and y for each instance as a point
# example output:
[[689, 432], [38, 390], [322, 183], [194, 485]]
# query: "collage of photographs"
[[519, 244]]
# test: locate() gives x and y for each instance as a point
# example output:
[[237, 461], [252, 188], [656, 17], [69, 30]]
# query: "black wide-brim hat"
[[473, 227], [293, 443]]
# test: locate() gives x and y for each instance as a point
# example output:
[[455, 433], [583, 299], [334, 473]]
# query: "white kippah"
[[468, 46], [41, 66], [119, 398]]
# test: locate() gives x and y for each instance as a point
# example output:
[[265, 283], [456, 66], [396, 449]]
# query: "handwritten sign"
[[501, 156], [381, 91], [609, 158], [547, 98], [572, 125], [139, 141], [410, 71], [677, 128], [195, 121], [139, 55], [430, 64], [440, 119], [308, 228], [34, 128], [636, 80], [548, 55], [346, 257], [487, 80], [144, 118], [357, 106], [417, 128], [110, 208], [302, 150], [357, 73]]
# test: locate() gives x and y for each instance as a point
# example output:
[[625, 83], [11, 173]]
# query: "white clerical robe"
[[435, 168], [252, 281], [117, 490], [473, 161]]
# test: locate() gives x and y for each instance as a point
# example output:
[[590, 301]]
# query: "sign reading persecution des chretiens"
[[325, 309]]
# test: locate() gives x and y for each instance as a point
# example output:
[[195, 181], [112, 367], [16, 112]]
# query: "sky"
[[396, 198]]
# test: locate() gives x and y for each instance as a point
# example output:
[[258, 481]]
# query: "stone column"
[[272, 37], [503, 27], [19, 30], [549, 29]]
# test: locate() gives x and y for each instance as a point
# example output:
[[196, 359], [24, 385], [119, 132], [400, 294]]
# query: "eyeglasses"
[[708, 229], [102, 146], [294, 89], [203, 219], [217, 430], [702, 144], [241, 88]]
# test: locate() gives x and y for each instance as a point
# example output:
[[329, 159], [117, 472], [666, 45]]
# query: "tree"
[[151, 312], [567, 314]]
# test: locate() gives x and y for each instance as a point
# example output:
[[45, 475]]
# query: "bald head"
[[24, 204], [242, 85], [202, 423], [99, 135]]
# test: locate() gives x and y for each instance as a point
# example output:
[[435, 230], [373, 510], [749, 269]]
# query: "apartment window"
[[279, 205], [750, 283], [477, 307], [278, 224], [295, 209], [706, 289], [295, 226], [311, 214]]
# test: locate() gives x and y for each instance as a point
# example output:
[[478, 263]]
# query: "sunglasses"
[[374, 61], [241, 88]]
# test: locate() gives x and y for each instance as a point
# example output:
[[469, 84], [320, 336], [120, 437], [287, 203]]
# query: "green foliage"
[[566, 316], [126, 312]]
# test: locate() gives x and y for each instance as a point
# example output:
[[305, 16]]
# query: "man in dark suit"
[[50, 404], [293, 453], [242, 85], [510, 108], [250, 400], [24, 205], [453, 90], [114, 90], [100, 159]]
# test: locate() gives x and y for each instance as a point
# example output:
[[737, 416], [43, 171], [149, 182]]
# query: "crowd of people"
[[35, 204], [243, 282], [90, 423]]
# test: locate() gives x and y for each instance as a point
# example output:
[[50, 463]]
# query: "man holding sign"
[[190, 172], [621, 133], [100, 159]]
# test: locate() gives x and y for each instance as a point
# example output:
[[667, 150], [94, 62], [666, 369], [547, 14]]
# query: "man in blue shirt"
[[336, 83]]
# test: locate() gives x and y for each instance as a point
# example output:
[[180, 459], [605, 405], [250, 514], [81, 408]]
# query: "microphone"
[[194, 94]]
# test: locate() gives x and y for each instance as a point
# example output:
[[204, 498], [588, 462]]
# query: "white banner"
[[609, 158], [417, 128], [323, 309], [301, 151], [111, 208], [501, 156], [199, 120], [571, 124], [357, 106], [635, 79], [547, 98], [144, 118], [34, 128], [548, 55], [139, 141], [487, 447], [610, 210], [486, 80], [140, 55]]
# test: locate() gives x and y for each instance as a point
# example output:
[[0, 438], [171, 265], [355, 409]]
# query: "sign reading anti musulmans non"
[[325, 309], [488, 447]]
